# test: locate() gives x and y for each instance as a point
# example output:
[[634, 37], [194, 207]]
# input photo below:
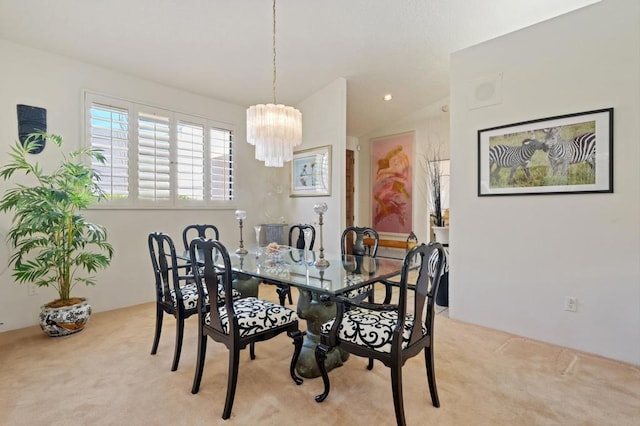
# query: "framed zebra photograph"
[[570, 153]]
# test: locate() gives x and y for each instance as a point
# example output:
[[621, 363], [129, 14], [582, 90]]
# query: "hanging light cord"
[[274, 52]]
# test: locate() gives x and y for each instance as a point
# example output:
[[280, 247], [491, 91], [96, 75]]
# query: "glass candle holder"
[[321, 209]]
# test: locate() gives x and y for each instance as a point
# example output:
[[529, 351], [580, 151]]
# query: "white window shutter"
[[154, 157], [221, 147], [190, 161], [109, 131]]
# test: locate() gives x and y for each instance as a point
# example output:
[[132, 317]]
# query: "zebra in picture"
[[514, 157], [563, 153]]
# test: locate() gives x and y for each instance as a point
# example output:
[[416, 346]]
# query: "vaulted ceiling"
[[223, 48]]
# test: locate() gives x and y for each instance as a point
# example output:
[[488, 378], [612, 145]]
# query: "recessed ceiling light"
[[387, 97]]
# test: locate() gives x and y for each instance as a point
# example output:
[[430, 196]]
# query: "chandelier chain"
[[274, 129], [274, 52]]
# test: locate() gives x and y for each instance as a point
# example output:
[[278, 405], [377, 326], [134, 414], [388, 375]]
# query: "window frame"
[[133, 201]]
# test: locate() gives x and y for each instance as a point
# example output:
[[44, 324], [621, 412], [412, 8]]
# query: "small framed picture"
[[570, 153], [311, 172]]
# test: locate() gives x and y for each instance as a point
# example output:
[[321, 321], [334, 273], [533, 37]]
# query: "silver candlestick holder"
[[241, 215], [321, 209]]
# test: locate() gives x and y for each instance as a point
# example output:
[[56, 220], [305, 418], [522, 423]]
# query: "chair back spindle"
[[301, 241]]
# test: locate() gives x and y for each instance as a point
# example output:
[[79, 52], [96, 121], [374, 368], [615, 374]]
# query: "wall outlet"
[[570, 303]]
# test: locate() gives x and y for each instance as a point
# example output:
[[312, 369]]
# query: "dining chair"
[[203, 231], [195, 230], [236, 323], [352, 242], [176, 294], [243, 285], [442, 297], [390, 333], [302, 232]]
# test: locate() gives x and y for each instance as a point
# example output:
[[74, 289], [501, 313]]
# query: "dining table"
[[318, 285]]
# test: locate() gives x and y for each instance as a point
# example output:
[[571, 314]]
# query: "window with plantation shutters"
[[109, 131], [157, 157]]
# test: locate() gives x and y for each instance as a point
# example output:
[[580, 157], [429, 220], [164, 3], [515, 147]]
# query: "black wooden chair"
[[237, 323], [352, 242], [243, 285], [205, 231], [301, 243], [176, 294], [390, 333], [198, 231], [301, 239]]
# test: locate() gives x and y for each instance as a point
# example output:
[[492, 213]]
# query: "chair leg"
[[297, 342], [370, 364], [202, 351], [232, 381], [156, 339], [431, 375], [371, 299], [281, 295], [321, 356], [252, 350], [289, 295], [396, 385], [179, 335]]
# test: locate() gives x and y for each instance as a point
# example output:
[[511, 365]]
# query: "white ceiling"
[[222, 48]]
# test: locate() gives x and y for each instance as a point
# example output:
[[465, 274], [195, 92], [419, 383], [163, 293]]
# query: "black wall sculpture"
[[32, 120]]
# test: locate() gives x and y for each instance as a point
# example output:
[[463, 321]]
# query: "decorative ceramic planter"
[[58, 322], [442, 234]]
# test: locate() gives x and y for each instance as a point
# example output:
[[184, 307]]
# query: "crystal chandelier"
[[274, 129]]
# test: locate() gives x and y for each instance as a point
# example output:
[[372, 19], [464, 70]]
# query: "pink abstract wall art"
[[391, 183]]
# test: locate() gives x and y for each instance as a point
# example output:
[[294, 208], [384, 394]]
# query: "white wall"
[[41, 79], [324, 123], [430, 127], [514, 259]]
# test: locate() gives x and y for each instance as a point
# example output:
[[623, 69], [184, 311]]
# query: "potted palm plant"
[[54, 245]]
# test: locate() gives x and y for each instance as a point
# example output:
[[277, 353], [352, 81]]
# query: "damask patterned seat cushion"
[[255, 315], [352, 294], [190, 295], [372, 329]]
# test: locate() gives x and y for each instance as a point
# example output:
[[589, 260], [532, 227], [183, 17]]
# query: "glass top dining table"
[[297, 268]]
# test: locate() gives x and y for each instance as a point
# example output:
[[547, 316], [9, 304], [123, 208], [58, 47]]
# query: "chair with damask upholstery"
[[176, 293], [390, 333], [237, 323], [243, 285]]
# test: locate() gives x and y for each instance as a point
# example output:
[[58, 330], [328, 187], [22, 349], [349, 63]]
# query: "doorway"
[[349, 194]]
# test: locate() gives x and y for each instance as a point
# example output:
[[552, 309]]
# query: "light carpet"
[[106, 376]]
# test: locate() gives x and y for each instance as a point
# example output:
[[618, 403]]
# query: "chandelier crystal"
[[274, 129]]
